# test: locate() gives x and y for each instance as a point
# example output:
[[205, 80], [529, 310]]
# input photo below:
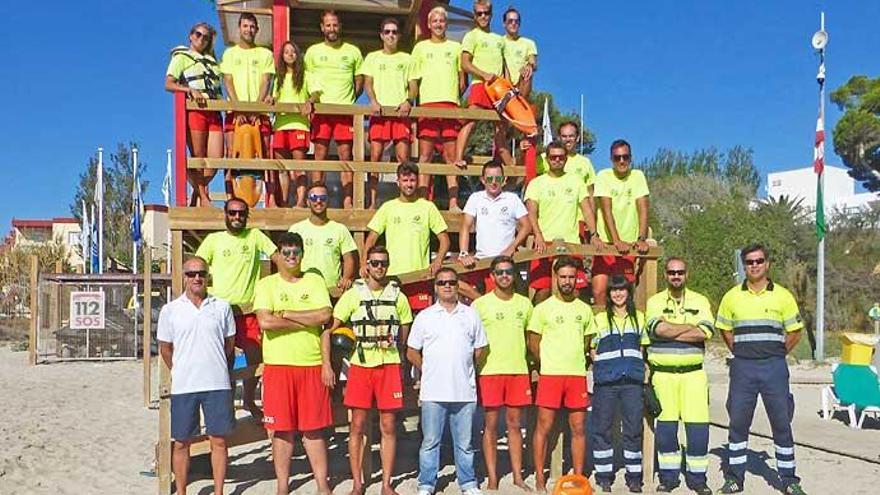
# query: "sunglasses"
[[758, 261], [287, 253], [481, 13], [504, 271], [556, 158], [318, 197], [237, 213], [676, 272], [512, 21], [201, 34], [389, 31], [497, 179], [446, 283], [621, 158], [196, 273], [378, 263]]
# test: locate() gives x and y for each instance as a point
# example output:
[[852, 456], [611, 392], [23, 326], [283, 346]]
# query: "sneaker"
[[666, 487], [605, 486], [634, 487], [794, 489], [702, 490], [472, 491], [731, 486]]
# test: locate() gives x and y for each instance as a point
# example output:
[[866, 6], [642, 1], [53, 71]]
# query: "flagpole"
[[134, 197], [100, 210], [166, 190], [581, 137], [820, 203]]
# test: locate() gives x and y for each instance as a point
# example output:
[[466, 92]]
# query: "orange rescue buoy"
[[511, 105], [573, 484], [247, 144]]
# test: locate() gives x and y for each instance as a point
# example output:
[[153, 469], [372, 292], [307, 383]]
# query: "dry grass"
[[14, 330]]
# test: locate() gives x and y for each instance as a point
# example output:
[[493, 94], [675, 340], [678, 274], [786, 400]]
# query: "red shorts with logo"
[[481, 277], [420, 294], [291, 139], [390, 129], [382, 382], [615, 265], [442, 129], [336, 127], [264, 122], [295, 398], [557, 391], [540, 276], [247, 331], [204, 120], [478, 96], [505, 390]]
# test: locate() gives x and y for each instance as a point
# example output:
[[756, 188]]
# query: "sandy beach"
[[81, 428]]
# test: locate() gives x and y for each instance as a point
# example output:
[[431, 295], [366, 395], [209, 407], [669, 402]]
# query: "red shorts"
[[541, 278], [478, 96], [295, 398], [505, 390], [247, 331], [265, 124], [291, 140], [336, 127], [481, 277], [615, 265], [390, 129], [204, 120], [556, 391], [382, 382], [442, 129], [420, 294]]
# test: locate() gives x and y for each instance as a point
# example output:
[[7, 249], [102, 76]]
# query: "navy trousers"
[[625, 396]]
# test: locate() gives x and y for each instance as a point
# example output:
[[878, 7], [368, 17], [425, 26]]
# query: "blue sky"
[[680, 74]]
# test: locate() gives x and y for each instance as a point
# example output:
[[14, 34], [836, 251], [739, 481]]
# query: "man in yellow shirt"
[[520, 53], [234, 260], [504, 374], [555, 201], [380, 317], [437, 69], [558, 337], [386, 82], [292, 306], [482, 57], [326, 241], [407, 223], [575, 163], [334, 64], [622, 207]]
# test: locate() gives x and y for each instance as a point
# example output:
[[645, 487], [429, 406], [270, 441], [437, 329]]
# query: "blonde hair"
[[438, 10], [487, 3]]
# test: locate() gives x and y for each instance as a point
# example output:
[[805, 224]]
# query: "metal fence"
[[95, 317]]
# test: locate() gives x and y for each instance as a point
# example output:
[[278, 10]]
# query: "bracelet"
[[642, 238]]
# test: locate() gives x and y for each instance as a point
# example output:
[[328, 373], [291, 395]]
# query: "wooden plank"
[[243, 10], [359, 201], [163, 448], [147, 339], [55, 301], [649, 281], [333, 109], [35, 310], [371, 7], [356, 165]]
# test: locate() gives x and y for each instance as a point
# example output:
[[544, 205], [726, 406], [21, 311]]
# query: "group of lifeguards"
[[468, 355]]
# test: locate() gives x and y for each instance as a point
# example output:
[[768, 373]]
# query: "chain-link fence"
[[95, 317]]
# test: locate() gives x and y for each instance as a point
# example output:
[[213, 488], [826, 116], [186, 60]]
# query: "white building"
[[840, 189]]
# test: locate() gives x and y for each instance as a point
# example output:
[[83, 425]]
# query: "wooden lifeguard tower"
[[299, 20]]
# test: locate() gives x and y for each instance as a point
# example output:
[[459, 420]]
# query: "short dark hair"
[[492, 164], [500, 259], [377, 249], [247, 16], [407, 168], [318, 184], [751, 248], [570, 123], [329, 12], [674, 258], [511, 10], [618, 143], [564, 261], [290, 239], [555, 144], [235, 199], [446, 269], [389, 20]]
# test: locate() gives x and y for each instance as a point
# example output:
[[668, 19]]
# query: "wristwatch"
[[643, 238]]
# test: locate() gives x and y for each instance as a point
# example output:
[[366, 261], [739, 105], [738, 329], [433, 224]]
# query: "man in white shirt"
[[445, 341], [196, 336], [502, 225]]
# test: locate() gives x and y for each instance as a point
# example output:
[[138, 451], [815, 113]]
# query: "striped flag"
[[545, 123], [136, 204], [819, 162], [85, 237]]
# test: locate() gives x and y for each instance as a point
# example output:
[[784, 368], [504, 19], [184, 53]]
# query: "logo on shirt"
[[396, 220], [499, 316], [560, 320], [504, 210], [227, 253], [622, 193], [304, 297], [328, 241], [323, 58], [519, 315], [568, 190], [579, 318], [417, 219], [283, 297], [484, 211], [309, 241], [400, 67], [345, 58]]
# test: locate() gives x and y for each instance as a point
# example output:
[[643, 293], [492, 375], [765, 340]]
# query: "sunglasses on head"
[[676, 272], [504, 271], [446, 283], [236, 213], [497, 179], [288, 252], [378, 263], [621, 158], [757, 261], [196, 273]]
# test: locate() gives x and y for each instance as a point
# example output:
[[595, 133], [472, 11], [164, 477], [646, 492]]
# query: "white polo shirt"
[[198, 335], [447, 341], [495, 220]]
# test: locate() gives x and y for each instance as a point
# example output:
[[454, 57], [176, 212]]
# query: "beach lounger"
[[856, 389]]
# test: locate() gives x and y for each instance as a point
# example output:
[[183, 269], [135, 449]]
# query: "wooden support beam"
[[55, 300], [163, 447], [245, 10], [356, 165], [35, 310], [334, 109], [649, 284], [147, 339]]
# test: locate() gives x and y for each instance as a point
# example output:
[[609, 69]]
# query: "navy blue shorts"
[[216, 406]]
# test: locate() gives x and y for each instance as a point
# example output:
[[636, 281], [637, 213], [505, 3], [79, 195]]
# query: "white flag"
[[85, 237], [166, 182], [545, 123]]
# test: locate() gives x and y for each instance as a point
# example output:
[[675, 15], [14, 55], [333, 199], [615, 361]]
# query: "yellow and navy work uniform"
[[760, 322], [376, 322], [618, 374], [681, 385]]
